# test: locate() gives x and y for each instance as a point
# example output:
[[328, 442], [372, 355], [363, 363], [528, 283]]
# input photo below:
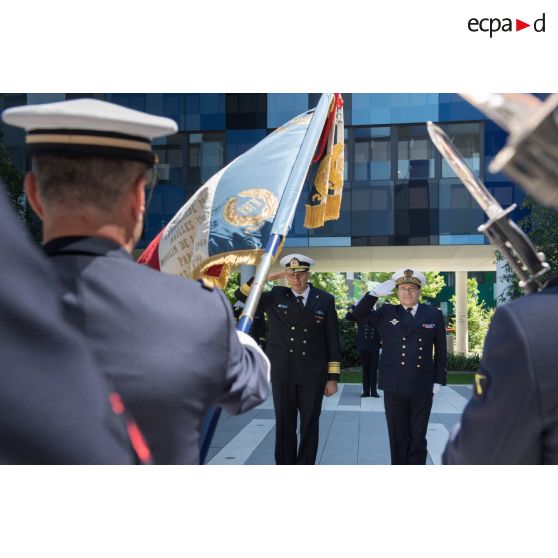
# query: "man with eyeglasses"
[[169, 345], [303, 347], [413, 364]]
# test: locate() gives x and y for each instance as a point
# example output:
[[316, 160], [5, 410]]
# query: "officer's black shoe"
[[365, 395], [375, 394]]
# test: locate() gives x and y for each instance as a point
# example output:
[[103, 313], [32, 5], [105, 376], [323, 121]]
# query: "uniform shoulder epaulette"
[[206, 284]]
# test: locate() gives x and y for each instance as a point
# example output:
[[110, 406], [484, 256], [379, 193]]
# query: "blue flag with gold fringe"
[[228, 221]]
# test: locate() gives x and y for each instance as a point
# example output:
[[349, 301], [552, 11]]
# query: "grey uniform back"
[[513, 414], [54, 404], [168, 344]]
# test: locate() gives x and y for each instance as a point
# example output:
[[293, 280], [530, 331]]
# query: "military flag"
[[229, 220]]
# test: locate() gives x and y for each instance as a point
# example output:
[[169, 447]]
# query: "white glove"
[[436, 388], [384, 289]]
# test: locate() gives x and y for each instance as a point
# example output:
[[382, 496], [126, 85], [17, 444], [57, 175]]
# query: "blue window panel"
[[446, 239], [295, 242], [240, 141], [330, 241], [136, 101], [393, 108], [191, 111], [372, 154], [507, 193], [281, 107], [453, 107], [172, 107], [246, 111], [460, 221], [166, 201], [494, 140], [466, 138], [39, 98], [459, 213], [205, 157], [373, 209], [204, 111], [154, 104], [415, 153], [503, 194]]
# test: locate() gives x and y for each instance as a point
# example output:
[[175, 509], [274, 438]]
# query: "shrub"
[[347, 339], [478, 316], [460, 362]]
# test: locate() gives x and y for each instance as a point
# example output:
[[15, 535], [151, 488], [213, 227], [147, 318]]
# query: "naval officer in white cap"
[[303, 347], [169, 345], [413, 363]]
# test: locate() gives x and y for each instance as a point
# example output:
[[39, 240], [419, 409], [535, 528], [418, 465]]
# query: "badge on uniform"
[[481, 385], [282, 306], [429, 326], [320, 312], [394, 322]]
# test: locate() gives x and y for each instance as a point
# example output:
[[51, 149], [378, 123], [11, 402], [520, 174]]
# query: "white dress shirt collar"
[[304, 294], [414, 310]]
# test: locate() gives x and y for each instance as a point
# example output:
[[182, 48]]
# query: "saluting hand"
[[275, 276], [330, 388], [385, 289]]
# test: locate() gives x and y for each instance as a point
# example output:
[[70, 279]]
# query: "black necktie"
[[410, 312], [299, 303]]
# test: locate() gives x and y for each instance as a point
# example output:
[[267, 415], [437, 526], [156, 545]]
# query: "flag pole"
[[287, 207], [281, 225]]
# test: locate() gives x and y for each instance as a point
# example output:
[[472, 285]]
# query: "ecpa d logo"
[[493, 25]]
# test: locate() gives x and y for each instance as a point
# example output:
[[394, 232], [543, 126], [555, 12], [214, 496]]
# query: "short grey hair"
[[74, 182]]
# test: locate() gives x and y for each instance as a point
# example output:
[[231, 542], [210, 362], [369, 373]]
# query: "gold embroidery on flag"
[[252, 212]]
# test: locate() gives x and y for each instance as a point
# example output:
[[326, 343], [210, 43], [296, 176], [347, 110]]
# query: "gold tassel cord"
[[315, 216], [327, 190], [333, 203], [333, 207]]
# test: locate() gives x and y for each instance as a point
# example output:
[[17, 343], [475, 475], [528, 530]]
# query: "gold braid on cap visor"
[[411, 280], [67, 139]]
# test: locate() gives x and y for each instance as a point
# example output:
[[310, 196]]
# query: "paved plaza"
[[353, 430]]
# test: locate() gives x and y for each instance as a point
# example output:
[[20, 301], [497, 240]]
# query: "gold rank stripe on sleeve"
[[245, 289], [334, 367]]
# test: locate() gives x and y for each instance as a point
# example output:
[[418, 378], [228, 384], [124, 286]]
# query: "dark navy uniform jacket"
[[54, 404], [168, 344], [303, 347], [513, 414], [368, 337], [258, 330], [414, 351]]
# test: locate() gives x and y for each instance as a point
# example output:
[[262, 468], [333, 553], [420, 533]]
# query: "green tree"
[[232, 284], [332, 283], [478, 316], [13, 180], [541, 224]]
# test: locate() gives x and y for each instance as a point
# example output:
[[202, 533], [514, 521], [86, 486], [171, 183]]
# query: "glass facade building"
[[398, 190]]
